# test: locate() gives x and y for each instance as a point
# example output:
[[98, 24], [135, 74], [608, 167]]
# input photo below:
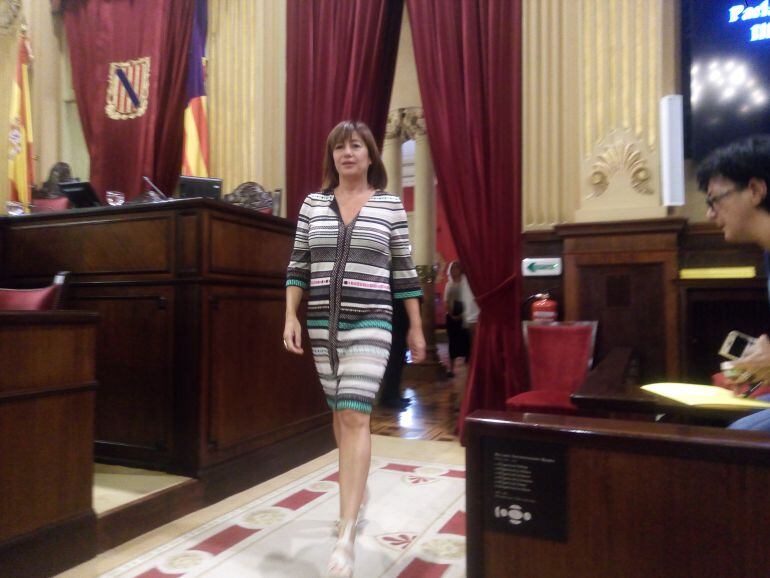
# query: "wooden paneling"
[[92, 247], [240, 248], [46, 441], [624, 277], [256, 389], [628, 301], [33, 343], [190, 359], [703, 245], [134, 417], [47, 438], [642, 500], [189, 242]]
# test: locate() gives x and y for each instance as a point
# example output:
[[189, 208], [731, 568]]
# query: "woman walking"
[[352, 239]]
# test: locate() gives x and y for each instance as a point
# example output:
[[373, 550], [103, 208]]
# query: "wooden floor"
[[432, 415]]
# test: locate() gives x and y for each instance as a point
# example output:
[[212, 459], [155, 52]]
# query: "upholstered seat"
[[559, 355], [42, 299], [49, 205]]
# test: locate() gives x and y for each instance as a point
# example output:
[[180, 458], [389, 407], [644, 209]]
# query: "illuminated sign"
[[749, 12], [760, 31]]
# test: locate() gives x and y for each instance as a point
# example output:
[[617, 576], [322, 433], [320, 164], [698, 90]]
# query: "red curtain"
[[468, 57], [129, 65], [341, 61]]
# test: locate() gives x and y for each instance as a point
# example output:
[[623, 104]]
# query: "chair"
[[560, 355], [42, 299], [49, 205]]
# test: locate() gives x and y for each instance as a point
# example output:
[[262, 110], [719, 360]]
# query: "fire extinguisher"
[[544, 309]]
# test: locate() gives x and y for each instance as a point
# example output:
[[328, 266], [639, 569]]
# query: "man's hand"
[[756, 359]]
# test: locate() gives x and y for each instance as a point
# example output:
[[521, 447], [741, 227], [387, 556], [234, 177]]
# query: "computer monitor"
[[80, 193], [200, 187]]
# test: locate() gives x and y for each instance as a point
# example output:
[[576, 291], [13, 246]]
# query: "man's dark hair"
[[739, 161]]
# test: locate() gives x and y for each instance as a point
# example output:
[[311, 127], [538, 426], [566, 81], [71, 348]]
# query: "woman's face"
[[351, 158], [455, 271]]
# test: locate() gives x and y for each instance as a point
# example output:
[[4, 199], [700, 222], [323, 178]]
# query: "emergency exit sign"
[[541, 267]]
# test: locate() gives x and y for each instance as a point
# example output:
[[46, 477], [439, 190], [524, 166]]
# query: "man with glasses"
[[735, 179]]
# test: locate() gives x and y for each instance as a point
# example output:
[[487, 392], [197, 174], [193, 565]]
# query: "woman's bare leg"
[[355, 446], [336, 425]]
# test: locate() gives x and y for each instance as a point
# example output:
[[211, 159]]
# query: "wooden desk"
[[191, 366], [633, 499], [47, 390], [612, 389]]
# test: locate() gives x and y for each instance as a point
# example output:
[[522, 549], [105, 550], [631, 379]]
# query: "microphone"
[[160, 194]]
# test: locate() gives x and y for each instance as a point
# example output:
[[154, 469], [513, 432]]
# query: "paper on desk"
[[710, 395]]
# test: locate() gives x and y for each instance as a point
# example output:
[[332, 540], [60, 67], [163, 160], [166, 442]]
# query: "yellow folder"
[[703, 395]]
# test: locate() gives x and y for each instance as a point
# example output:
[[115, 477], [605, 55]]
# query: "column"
[[423, 236], [391, 152]]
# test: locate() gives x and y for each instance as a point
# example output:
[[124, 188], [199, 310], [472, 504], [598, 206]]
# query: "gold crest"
[[128, 87]]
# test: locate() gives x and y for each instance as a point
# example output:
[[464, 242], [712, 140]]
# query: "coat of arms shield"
[[128, 89]]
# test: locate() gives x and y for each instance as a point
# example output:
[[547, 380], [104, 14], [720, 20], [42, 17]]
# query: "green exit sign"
[[541, 267]]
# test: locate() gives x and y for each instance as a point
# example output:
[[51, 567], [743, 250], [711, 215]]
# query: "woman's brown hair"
[[376, 176]]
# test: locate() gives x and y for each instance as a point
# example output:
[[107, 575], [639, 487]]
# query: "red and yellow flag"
[[21, 172], [195, 162]]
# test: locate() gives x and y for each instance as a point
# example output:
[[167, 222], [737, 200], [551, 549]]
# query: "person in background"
[[59, 173], [735, 180], [461, 314], [390, 393], [352, 251]]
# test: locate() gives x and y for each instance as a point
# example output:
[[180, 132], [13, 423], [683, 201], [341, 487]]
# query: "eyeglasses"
[[713, 200]]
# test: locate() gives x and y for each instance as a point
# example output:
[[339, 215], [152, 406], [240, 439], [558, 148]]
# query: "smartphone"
[[735, 344]]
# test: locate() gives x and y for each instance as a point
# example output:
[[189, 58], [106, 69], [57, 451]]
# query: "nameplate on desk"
[[525, 488]]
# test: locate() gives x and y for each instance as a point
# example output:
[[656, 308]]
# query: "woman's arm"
[[292, 330], [297, 280], [415, 339]]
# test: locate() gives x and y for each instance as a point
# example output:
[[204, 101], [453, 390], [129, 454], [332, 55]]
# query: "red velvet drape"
[[468, 56], [341, 61], [123, 149]]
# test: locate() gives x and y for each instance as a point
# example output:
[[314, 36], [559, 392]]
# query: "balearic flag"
[[21, 171], [195, 161]]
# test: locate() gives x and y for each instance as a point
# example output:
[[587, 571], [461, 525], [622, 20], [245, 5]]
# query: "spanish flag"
[[21, 171], [195, 161]]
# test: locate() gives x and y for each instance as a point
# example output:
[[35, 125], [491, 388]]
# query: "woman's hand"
[[415, 340], [292, 336]]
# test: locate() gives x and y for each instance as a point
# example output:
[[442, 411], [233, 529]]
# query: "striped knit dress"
[[353, 271]]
